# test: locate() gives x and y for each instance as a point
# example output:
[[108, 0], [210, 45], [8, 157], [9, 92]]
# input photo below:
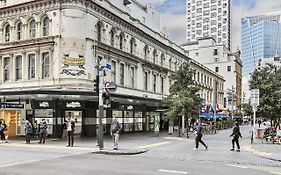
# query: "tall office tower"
[[209, 18], [261, 37]]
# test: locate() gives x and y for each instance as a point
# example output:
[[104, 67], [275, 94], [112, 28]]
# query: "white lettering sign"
[[73, 105], [44, 104]]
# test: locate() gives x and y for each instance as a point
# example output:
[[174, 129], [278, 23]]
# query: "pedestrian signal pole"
[[255, 103]]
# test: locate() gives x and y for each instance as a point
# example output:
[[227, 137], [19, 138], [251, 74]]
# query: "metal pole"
[[101, 110], [232, 96]]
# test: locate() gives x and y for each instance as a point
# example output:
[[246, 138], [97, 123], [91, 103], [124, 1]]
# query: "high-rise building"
[[260, 39], [209, 18]]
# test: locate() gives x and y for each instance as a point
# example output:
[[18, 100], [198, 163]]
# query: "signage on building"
[[73, 105], [9, 105], [44, 104], [73, 64]]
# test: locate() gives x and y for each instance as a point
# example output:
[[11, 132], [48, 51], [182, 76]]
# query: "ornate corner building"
[[48, 53]]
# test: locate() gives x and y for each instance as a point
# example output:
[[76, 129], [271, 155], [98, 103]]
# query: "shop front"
[[13, 116]]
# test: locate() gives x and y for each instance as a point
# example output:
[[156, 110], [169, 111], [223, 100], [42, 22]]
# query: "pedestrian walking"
[[6, 134], [43, 131], [236, 133], [70, 125], [3, 127], [115, 130], [199, 134], [64, 132], [28, 131]]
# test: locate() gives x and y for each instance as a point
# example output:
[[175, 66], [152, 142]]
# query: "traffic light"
[[106, 100]]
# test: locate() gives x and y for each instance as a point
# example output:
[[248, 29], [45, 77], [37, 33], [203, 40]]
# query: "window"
[[162, 85], [122, 73], [45, 65], [170, 64], [162, 59], [132, 77], [112, 37], [31, 66], [145, 81], [46, 26], [7, 33], [228, 68], [99, 30], [146, 49], [217, 69], [121, 41], [19, 31], [154, 56], [132, 45], [7, 69], [113, 71], [18, 67], [154, 83], [32, 29], [215, 51]]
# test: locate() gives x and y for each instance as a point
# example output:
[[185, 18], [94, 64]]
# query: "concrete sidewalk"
[[133, 143], [265, 150]]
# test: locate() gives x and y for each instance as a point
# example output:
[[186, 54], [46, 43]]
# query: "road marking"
[[273, 172], [238, 166], [172, 171], [153, 145]]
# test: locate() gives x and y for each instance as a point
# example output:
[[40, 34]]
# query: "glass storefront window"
[[128, 121]]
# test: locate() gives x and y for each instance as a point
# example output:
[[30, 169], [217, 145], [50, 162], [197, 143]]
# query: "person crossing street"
[[236, 133], [199, 134]]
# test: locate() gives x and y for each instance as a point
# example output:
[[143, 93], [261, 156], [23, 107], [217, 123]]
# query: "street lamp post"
[[232, 96]]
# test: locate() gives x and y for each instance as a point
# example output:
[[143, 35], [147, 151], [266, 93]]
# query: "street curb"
[[266, 155], [120, 152]]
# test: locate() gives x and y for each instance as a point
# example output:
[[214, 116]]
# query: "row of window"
[[30, 31], [228, 68], [131, 77], [147, 54], [31, 67]]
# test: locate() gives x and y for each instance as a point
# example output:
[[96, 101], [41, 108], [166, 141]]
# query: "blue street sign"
[[108, 66]]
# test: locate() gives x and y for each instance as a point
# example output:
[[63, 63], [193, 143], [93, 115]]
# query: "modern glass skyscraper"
[[261, 38], [209, 18]]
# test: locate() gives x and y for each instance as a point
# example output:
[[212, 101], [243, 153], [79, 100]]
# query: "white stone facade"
[[49, 51], [220, 60], [209, 18]]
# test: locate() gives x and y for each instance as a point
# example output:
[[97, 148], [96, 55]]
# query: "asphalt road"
[[166, 156], [85, 164]]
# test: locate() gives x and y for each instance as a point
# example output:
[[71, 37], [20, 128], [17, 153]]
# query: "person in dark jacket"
[[2, 129], [43, 131], [236, 134], [28, 131], [70, 125], [199, 134]]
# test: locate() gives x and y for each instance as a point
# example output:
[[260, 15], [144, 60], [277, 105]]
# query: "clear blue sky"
[[179, 6]]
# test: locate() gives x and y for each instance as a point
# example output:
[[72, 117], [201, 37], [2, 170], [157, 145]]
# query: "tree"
[[268, 80], [183, 99]]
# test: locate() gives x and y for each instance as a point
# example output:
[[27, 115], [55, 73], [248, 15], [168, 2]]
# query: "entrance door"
[[77, 117]]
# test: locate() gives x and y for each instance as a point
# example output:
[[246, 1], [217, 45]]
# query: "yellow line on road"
[[153, 145]]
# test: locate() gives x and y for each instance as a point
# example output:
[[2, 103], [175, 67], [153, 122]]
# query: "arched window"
[[45, 26], [132, 45], [121, 40], [99, 30], [112, 37], [7, 33], [145, 50], [32, 29], [154, 56], [162, 59], [19, 31]]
